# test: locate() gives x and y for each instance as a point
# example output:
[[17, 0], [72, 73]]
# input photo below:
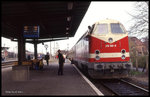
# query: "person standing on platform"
[[29, 58], [47, 58], [61, 63]]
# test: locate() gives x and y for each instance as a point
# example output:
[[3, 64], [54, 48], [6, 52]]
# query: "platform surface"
[[47, 82]]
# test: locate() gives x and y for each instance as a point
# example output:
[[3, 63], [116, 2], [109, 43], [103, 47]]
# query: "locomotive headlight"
[[123, 57], [97, 52], [97, 57], [110, 40], [123, 51]]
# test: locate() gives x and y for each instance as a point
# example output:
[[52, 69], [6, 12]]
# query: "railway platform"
[[47, 82]]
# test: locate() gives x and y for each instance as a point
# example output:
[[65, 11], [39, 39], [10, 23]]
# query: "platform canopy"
[[57, 20]]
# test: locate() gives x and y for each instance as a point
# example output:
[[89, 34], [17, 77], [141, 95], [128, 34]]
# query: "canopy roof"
[[55, 19]]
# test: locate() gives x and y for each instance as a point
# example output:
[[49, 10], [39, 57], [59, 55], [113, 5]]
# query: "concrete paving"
[[47, 82]]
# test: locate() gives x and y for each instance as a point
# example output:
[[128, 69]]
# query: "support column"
[[21, 51], [50, 51], [20, 72], [35, 50]]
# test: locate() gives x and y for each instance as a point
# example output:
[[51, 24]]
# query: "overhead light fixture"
[[67, 28], [68, 18], [67, 33], [70, 5]]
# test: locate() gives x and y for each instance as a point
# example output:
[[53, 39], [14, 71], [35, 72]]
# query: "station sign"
[[31, 31]]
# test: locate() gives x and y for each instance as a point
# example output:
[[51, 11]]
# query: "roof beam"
[[41, 40]]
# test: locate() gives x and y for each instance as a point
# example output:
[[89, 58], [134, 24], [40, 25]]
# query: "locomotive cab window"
[[116, 28], [101, 29]]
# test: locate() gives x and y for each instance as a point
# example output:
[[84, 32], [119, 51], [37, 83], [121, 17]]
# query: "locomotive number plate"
[[111, 45]]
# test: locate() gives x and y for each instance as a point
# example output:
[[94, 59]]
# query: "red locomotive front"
[[108, 43], [103, 51]]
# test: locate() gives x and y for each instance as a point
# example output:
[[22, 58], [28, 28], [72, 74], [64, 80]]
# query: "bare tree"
[[140, 18]]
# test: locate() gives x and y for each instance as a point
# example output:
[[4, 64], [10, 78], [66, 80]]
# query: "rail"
[[122, 88]]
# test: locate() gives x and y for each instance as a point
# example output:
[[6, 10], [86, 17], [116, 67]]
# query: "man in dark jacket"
[[61, 63], [47, 58], [29, 58]]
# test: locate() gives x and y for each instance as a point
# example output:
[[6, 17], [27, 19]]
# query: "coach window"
[[101, 29], [116, 28]]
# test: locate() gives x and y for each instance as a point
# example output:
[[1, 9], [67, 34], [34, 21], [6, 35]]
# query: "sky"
[[97, 11]]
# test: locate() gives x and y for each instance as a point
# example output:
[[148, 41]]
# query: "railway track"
[[121, 88], [117, 87]]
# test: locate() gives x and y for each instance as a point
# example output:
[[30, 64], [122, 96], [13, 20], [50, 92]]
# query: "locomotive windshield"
[[116, 28], [102, 29]]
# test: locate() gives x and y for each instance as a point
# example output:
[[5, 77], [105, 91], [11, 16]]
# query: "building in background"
[[138, 45]]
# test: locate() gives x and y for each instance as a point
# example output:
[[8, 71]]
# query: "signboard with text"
[[31, 31]]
